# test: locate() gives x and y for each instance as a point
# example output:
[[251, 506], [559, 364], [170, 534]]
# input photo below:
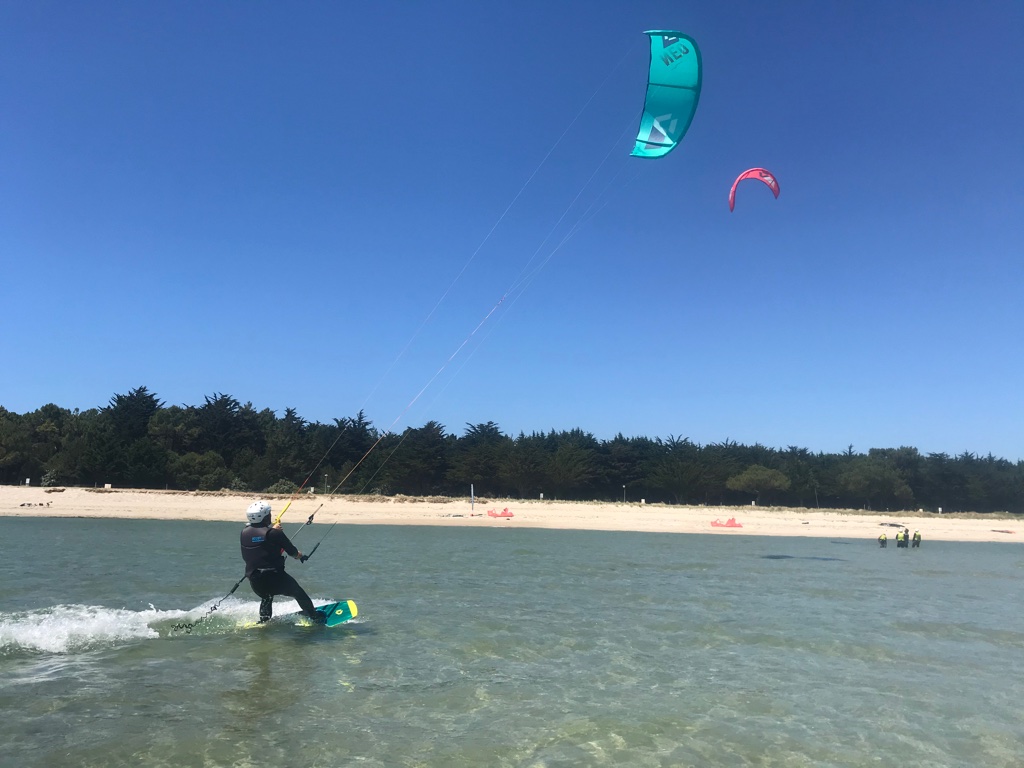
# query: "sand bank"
[[755, 521]]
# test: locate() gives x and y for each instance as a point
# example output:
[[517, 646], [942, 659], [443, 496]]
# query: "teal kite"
[[673, 89]]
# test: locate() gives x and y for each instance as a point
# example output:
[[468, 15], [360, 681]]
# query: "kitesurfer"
[[264, 545]]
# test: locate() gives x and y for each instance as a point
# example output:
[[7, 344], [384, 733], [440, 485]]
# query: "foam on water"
[[63, 629], [72, 628]]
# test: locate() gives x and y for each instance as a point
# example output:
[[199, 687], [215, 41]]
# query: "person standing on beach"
[[264, 545]]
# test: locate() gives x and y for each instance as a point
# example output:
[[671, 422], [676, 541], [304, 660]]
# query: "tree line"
[[136, 441]]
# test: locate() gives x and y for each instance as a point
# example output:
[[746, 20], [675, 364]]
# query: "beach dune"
[[23, 501]]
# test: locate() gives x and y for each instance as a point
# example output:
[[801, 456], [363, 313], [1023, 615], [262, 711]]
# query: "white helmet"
[[256, 512]]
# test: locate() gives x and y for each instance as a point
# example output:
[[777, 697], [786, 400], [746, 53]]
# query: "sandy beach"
[[20, 501]]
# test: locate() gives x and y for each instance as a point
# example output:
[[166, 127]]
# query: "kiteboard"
[[338, 613], [329, 615]]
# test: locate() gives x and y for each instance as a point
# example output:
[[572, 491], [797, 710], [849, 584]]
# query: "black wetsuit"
[[263, 549]]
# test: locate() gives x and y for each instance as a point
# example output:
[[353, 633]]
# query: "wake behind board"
[[338, 613]]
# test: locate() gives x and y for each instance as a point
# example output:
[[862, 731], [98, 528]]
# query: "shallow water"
[[509, 647]]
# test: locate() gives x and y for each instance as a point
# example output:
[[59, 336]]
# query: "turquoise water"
[[509, 647]]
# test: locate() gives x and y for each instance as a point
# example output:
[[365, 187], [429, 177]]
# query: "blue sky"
[[291, 204]]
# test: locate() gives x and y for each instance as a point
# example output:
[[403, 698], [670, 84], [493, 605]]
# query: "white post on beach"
[[471, 497]]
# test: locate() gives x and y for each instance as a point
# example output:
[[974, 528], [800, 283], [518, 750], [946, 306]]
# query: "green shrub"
[[283, 488]]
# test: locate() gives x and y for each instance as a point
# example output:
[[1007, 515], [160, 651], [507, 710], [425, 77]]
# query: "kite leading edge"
[[673, 89]]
